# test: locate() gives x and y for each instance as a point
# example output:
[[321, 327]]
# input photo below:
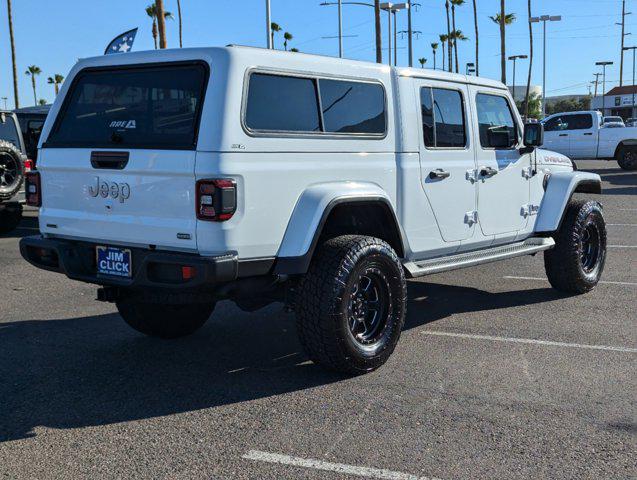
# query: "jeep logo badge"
[[107, 189]]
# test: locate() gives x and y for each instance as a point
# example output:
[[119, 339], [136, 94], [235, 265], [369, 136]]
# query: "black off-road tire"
[[576, 263], [627, 158], [10, 217], [11, 170], [162, 320], [334, 294]]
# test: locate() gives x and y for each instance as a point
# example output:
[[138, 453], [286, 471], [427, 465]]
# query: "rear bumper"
[[77, 260]]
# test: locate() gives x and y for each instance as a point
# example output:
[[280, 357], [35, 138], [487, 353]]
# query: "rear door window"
[[443, 118], [139, 107]]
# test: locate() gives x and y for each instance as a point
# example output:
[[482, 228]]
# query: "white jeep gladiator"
[[174, 179], [582, 135]]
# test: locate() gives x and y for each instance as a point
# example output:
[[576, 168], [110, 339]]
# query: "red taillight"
[[188, 273], [33, 189], [29, 165], [216, 200]]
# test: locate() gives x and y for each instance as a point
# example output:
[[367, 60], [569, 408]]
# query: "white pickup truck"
[[582, 135]]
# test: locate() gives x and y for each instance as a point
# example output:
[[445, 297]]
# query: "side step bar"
[[470, 259]]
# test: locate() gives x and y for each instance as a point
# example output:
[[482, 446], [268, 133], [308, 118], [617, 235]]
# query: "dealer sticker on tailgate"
[[114, 261]]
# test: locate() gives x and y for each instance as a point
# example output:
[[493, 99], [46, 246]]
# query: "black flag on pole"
[[122, 43]]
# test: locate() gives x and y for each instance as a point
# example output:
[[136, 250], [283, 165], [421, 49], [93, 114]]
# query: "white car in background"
[[613, 122], [584, 135]]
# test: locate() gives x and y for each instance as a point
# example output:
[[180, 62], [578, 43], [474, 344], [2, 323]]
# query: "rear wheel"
[[351, 305], [576, 263], [627, 158], [163, 320]]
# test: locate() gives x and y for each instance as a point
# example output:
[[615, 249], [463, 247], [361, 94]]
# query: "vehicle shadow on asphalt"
[[622, 182], [28, 226], [95, 370]]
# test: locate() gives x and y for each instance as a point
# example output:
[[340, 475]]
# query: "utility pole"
[[161, 23], [603, 65], [409, 39], [623, 25], [268, 24], [597, 75]]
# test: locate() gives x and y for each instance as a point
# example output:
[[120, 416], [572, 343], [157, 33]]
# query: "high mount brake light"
[[33, 189], [216, 199]]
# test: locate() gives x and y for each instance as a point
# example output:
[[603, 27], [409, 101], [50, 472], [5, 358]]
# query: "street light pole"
[[514, 58], [340, 28], [544, 19], [409, 39], [395, 39], [268, 24], [603, 65], [632, 110]]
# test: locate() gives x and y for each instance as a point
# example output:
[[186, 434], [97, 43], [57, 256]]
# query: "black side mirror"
[[533, 135]]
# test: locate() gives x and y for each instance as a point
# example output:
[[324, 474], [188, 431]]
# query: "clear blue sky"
[[54, 34]]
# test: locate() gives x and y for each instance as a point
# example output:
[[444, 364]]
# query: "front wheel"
[[627, 158], [576, 263], [351, 304], [164, 320]]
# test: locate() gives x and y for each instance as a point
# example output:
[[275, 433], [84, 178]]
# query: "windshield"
[[8, 131], [143, 107], [614, 120]]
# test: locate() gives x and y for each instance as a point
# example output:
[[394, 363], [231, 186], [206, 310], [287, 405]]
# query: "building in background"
[[619, 101]]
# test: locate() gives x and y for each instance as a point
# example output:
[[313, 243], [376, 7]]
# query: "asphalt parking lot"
[[496, 376]]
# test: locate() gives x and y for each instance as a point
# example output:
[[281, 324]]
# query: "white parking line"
[[622, 246], [531, 341], [538, 279], [621, 224], [366, 472]]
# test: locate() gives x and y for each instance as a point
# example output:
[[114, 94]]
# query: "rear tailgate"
[[119, 164], [149, 202]]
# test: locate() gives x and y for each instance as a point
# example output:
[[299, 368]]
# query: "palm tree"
[[32, 71], [527, 97], [443, 39], [42, 101], [274, 28], [434, 47], [422, 62], [179, 15], [475, 21], [151, 11], [161, 23], [503, 19], [449, 50], [56, 80], [287, 36], [456, 36], [454, 4], [13, 61]]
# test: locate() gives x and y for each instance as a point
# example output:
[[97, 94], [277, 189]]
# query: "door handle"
[[563, 134], [439, 173], [589, 134], [488, 171]]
